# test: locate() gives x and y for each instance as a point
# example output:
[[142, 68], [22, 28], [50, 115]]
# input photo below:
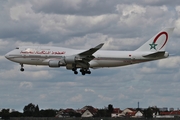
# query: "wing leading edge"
[[87, 56], [91, 51]]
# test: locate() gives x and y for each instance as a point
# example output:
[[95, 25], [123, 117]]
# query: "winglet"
[[99, 46], [157, 42]]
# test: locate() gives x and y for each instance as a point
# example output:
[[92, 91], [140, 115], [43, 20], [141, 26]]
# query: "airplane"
[[73, 59]]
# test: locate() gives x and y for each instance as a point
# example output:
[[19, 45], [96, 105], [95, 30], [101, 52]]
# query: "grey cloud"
[[91, 7], [83, 25], [30, 29], [86, 8]]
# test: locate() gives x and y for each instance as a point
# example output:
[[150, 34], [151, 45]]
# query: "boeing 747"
[[72, 59]]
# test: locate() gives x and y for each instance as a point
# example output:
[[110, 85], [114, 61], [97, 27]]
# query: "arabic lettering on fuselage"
[[42, 52]]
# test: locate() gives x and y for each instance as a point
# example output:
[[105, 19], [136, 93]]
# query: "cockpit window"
[[17, 47]]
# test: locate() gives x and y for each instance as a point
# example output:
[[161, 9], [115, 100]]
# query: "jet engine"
[[54, 63], [69, 59]]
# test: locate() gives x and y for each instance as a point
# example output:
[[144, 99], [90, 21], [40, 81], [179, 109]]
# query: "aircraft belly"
[[108, 63]]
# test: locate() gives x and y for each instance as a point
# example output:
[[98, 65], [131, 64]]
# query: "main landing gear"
[[75, 70], [22, 69], [83, 71]]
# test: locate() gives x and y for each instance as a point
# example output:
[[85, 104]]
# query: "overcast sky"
[[82, 24]]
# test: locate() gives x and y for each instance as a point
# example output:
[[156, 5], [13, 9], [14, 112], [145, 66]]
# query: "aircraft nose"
[[7, 55]]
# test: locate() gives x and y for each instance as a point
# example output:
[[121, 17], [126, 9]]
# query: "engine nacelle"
[[69, 59], [54, 63]]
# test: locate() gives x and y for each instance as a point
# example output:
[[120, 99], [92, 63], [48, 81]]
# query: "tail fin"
[[157, 42]]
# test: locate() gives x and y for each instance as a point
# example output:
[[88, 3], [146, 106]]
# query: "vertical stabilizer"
[[157, 42]]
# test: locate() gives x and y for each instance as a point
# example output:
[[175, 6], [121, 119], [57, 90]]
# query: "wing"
[[91, 51], [80, 60], [88, 55], [85, 57]]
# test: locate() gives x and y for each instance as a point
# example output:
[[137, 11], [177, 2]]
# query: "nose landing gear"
[[22, 69]]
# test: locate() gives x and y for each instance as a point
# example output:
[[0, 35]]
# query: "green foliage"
[[110, 110], [36, 112], [102, 113], [77, 115], [5, 114], [148, 113], [48, 113], [106, 112], [29, 110], [16, 114]]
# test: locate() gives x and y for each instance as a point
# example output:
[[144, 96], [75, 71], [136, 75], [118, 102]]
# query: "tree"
[[5, 114], [36, 112], [16, 114], [77, 115], [155, 110], [110, 110], [48, 113], [101, 113], [148, 113], [29, 110]]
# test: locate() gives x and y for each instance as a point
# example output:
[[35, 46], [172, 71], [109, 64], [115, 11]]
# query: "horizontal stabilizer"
[[156, 54]]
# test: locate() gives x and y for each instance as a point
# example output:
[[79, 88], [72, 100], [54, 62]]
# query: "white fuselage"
[[72, 59], [34, 55]]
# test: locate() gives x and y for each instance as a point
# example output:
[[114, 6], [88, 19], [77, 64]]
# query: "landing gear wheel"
[[75, 72], [83, 73], [88, 72], [22, 69], [74, 69]]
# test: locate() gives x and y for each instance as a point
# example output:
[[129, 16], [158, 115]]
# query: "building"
[[88, 111], [116, 112], [66, 113]]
